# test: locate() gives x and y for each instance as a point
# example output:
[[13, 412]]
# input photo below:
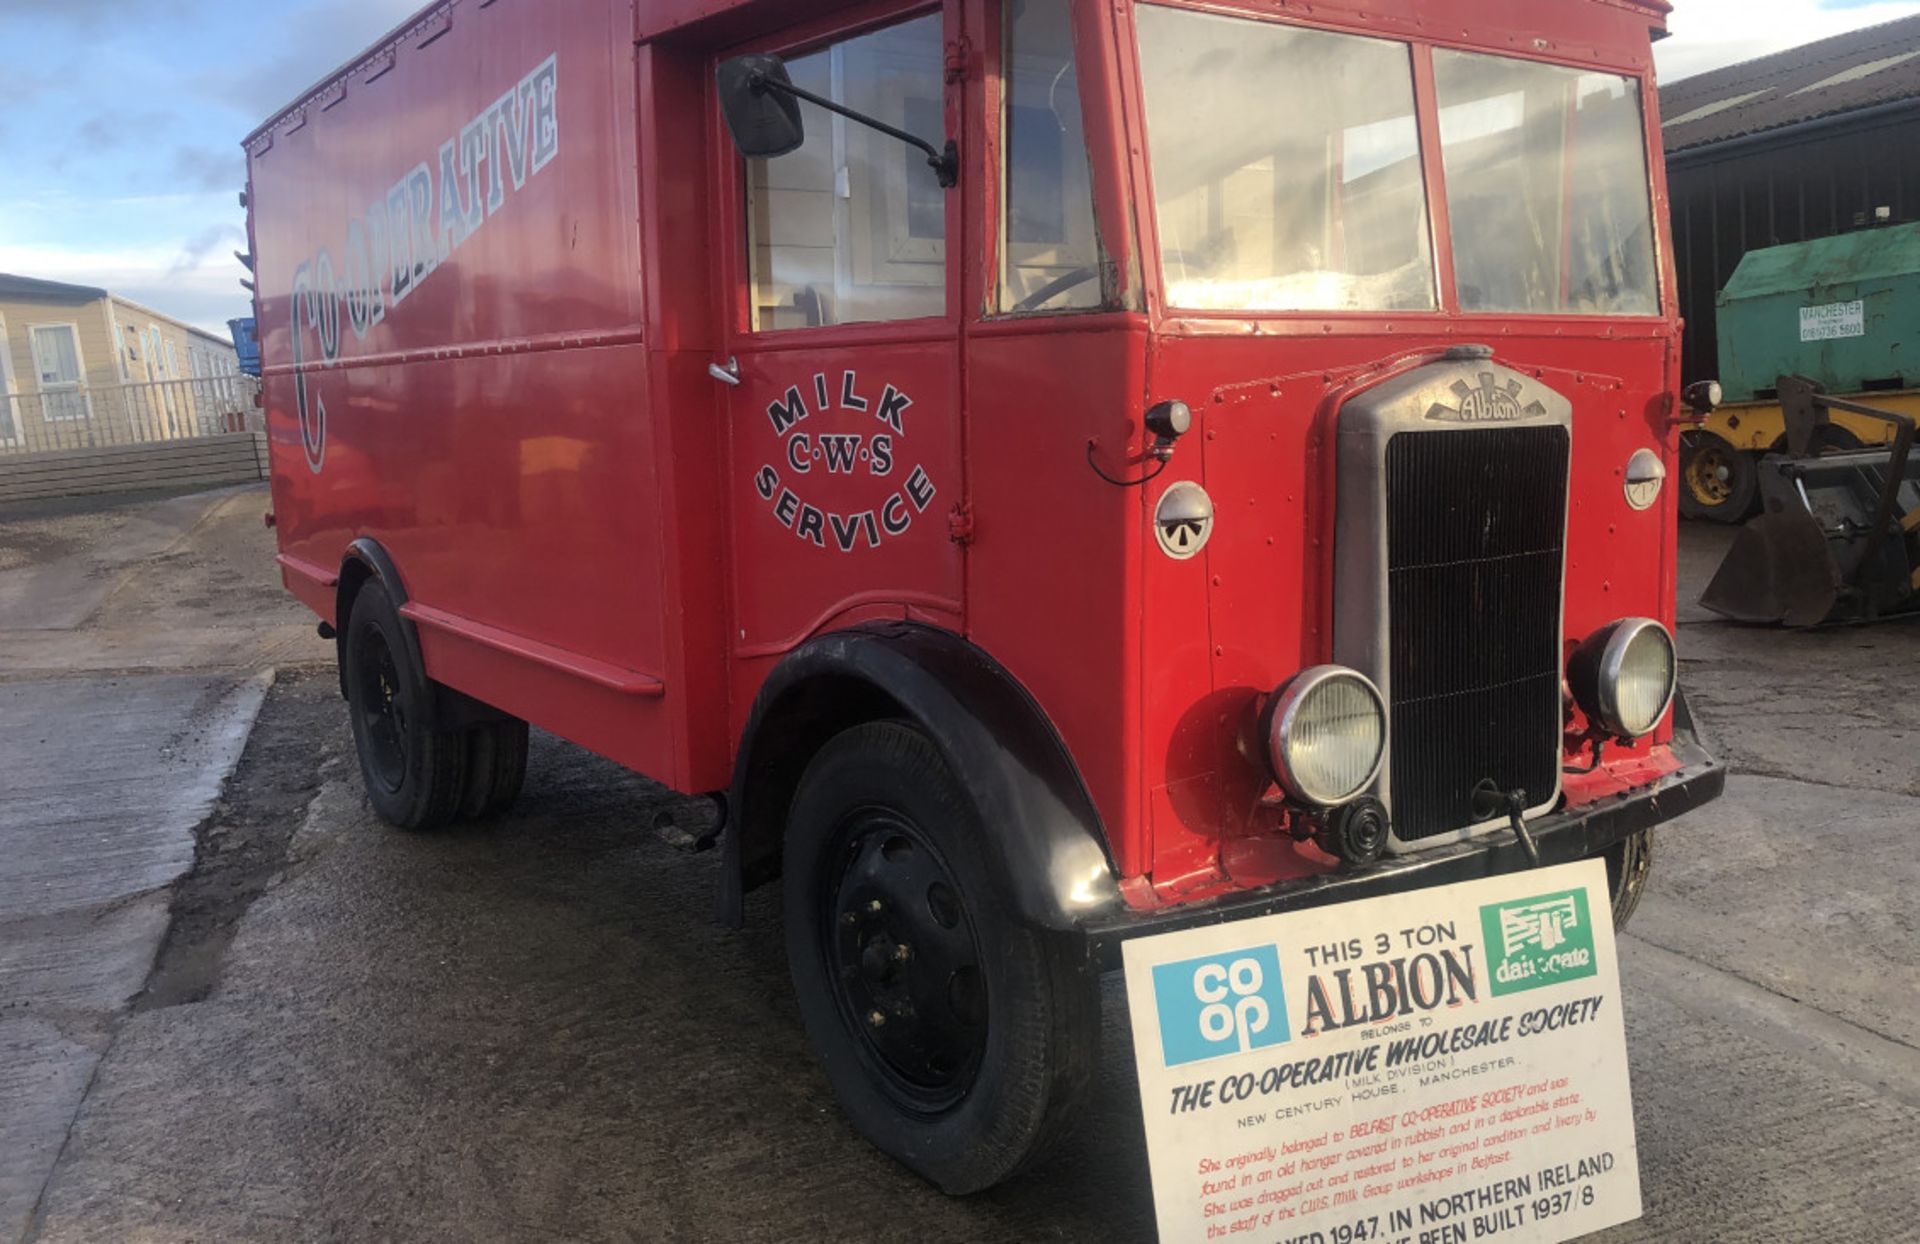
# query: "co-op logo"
[[1220, 1004], [823, 466], [411, 229]]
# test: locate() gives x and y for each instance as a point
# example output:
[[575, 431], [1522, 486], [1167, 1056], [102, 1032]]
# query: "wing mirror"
[[762, 108], [763, 119]]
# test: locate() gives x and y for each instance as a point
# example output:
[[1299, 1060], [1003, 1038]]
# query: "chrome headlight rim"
[[1598, 690], [1283, 709]]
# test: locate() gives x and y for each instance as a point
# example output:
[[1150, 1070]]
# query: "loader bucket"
[[1778, 570], [1840, 535]]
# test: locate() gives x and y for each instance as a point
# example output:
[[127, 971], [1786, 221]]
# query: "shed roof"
[[1860, 69], [30, 289]]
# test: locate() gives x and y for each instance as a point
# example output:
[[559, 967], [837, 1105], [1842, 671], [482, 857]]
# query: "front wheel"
[[959, 1039], [1629, 862]]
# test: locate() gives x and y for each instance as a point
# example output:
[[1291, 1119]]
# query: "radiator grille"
[[1476, 528]]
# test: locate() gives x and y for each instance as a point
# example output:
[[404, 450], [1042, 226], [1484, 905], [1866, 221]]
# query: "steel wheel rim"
[[1704, 479], [904, 960], [381, 708]]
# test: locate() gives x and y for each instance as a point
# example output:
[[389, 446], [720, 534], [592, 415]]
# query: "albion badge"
[[1490, 402]]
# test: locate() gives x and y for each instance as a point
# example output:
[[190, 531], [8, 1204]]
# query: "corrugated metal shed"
[[1859, 69], [1807, 143]]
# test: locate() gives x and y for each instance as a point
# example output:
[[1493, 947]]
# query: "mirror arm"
[[945, 164]]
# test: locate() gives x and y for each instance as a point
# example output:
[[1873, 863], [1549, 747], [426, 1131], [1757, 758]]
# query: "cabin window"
[[1049, 256], [851, 227], [58, 371], [56, 355], [1546, 187], [1286, 166], [9, 424], [119, 348]]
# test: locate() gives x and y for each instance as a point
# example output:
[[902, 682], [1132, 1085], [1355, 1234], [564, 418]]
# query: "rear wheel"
[[496, 767], [1717, 481], [958, 1039], [1835, 439], [415, 773]]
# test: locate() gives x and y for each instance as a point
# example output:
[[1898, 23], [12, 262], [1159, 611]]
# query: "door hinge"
[[959, 56], [960, 524]]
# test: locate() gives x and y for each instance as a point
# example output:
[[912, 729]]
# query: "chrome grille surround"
[[1460, 423]]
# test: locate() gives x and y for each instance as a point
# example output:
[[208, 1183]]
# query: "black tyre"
[[1717, 482], [959, 1039], [496, 767], [415, 774], [1835, 439], [1629, 862]]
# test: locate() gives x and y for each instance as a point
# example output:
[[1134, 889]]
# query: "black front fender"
[[1047, 836]]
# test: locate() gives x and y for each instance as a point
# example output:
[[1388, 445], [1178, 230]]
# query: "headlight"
[[1623, 676], [1326, 733]]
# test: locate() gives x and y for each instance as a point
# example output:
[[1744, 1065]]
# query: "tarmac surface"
[[534, 1030]]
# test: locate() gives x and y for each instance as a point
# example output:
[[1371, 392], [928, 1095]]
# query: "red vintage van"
[[1051, 470]]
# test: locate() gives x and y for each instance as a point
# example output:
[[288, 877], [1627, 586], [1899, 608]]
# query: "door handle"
[[727, 372]]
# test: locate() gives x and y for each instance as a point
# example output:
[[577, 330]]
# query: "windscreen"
[[1547, 193], [1286, 166]]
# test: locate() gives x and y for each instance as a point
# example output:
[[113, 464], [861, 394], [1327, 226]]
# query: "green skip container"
[[1843, 310]]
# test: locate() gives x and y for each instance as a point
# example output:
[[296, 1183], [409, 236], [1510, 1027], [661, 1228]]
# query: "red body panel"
[[597, 535]]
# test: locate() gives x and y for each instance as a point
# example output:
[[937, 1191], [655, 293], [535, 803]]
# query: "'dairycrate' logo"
[[1538, 941], [1220, 1004]]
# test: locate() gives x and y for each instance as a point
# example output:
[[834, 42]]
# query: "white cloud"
[[206, 295], [1709, 34]]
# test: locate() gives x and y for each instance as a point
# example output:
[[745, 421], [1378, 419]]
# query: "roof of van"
[[725, 19], [652, 18]]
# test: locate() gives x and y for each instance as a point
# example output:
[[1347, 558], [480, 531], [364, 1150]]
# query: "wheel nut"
[[849, 918], [875, 1019], [902, 952], [874, 906]]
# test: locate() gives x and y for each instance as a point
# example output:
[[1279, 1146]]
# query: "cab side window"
[[851, 227], [1049, 256]]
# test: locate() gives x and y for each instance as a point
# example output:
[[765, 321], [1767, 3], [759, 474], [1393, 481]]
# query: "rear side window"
[[1546, 187], [851, 227]]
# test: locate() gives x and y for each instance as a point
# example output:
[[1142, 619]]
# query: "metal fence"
[[97, 416]]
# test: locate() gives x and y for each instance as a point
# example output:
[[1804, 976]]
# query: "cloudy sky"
[[120, 128], [120, 122]]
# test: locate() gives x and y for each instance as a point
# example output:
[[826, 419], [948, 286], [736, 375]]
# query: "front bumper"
[[1562, 837]]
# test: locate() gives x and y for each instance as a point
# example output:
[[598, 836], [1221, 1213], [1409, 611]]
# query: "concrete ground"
[[533, 1030], [135, 644]]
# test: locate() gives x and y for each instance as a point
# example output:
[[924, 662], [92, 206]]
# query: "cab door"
[[840, 360]]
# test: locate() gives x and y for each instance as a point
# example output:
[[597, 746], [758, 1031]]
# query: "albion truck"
[[1051, 471]]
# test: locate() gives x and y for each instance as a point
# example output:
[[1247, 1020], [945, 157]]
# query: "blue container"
[[246, 344]]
